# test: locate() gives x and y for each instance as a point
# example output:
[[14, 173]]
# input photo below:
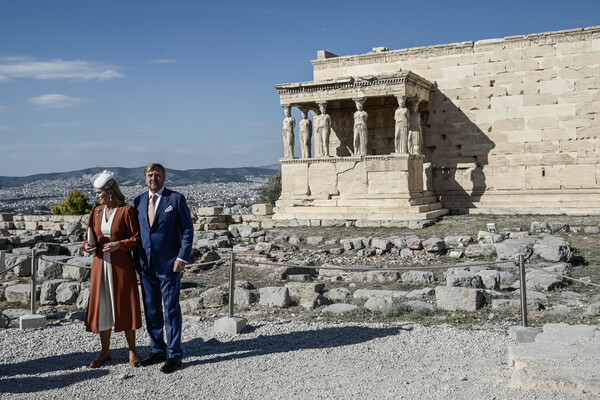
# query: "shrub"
[[271, 191], [76, 203]]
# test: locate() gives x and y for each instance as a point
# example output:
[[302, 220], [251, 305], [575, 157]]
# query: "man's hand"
[[179, 266]]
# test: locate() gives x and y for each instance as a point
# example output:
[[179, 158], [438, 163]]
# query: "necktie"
[[151, 209]]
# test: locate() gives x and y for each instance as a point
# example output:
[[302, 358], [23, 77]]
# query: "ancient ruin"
[[499, 126]]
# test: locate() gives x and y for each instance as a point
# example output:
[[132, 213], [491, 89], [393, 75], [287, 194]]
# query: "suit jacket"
[[171, 235]]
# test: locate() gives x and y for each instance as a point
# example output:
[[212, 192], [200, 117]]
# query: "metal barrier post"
[[34, 262], [231, 324], [523, 291], [231, 283], [33, 320]]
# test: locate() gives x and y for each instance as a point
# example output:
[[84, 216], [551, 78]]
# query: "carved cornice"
[[400, 83], [509, 42]]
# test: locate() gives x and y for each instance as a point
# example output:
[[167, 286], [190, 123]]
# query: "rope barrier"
[[364, 267]]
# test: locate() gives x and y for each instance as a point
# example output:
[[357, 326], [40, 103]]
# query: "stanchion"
[[231, 324], [523, 333], [231, 284], [33, 320], [523, 291]]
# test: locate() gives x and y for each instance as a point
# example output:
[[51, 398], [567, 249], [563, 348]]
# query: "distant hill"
[[135, 176]]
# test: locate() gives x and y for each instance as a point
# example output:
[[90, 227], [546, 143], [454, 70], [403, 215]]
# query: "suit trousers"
[[159, 289]]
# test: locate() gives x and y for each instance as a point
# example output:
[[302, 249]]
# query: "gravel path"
[[279, 359]]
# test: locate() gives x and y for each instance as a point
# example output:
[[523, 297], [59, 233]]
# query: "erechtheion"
[[501, 126]]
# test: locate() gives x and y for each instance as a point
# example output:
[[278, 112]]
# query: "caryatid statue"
[[415, 136], [323, 130], [401, 131], [360, 129], [305, 133], [289, 123]]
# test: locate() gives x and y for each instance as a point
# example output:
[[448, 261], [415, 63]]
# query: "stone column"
[[289, 123], [305, 133], [360, 129], [415, 136], [401, 130], [322, 132]]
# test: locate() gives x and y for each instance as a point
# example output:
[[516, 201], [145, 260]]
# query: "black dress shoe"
[[171, 365], [153, 358]]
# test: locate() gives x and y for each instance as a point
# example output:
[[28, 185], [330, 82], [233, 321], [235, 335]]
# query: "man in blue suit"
[[167, 233]]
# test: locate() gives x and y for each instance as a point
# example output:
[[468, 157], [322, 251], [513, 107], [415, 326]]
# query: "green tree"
[[271, 191], [76, 203]]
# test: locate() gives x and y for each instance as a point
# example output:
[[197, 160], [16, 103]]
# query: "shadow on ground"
[[282, 343]]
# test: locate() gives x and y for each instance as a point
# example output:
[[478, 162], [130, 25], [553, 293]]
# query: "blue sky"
[[191, 84]]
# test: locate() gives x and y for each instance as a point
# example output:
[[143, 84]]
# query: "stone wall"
[[513, 124]]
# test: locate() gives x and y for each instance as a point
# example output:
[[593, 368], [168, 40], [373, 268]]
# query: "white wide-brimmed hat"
[[102, 179]]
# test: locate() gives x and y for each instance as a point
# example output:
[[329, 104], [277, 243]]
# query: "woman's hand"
[[111, 246], [89, 249]]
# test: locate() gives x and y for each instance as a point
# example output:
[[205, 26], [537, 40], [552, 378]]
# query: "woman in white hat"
[[114, 301]]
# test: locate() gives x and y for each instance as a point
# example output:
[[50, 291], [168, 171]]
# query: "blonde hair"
[[114, 186], [155, 166]]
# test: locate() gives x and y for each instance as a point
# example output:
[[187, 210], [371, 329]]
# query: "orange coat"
[[125, 228]]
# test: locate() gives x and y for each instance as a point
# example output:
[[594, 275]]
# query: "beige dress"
[[106, 312]]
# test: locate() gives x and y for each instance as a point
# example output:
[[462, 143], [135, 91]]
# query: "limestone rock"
[[418, 277], [464, 279], [490, 279], [20, 264], [480, 250], [48, 291], [383, 244], [338, 294], [511, 249], [19, 293], [67, 292], [434, 245], [458, 241], [191, 306], [48, 269], [214, 297], [275, 296], [420, 293], [83, 298], [458, 298], [553, 249], [378, 303], [81, 272], [299, 290]]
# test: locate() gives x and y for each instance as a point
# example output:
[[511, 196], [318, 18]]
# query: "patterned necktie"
[[151, 208]]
